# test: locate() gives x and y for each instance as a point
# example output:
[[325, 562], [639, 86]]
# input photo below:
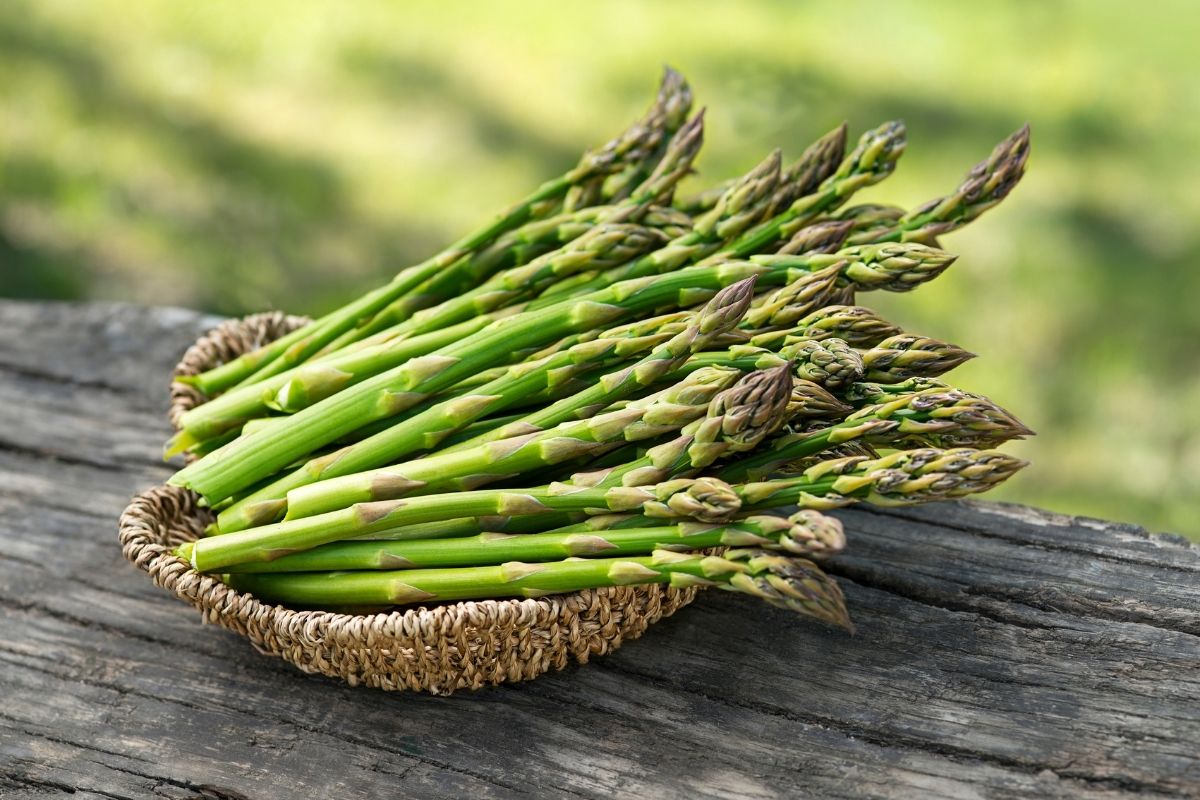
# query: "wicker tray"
[[438, 649]]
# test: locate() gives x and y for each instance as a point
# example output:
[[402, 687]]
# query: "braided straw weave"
[[438, 649]]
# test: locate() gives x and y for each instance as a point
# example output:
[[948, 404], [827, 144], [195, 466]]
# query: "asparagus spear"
[[818, 161], [812, 534], [249, 459], [893, 267], [737, 420], [299, 345], [311, 382], [872, 160], [797, 535], [792, 583], [704, 499], [610, 243], [941, 417], [903, 478], [741, 206], [856, 325], [830, 363], [906, 355], [428, 427], [789, 304], [721, 314], [986, 184], [514, 249], [475, 466], [828, 236], [671, 108]]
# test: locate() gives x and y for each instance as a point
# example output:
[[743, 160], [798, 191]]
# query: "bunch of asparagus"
[[608, 385]]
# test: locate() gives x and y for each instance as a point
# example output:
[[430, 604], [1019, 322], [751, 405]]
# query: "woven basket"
[[438, 649]]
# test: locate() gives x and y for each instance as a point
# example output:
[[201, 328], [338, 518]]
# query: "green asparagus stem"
[[987, 183], [865, 393], [820, 237], [830, 363], [903, 478], [429, 427], [788, 305], [513, 249], [721, 315], [249, 459], [872, 160], [737, 420], [788, 582], [741, 206], [795, 535], [818, 161], [893, 267], [702, 499], [941, 417], [653, 416], [812, 534], [301, 386]]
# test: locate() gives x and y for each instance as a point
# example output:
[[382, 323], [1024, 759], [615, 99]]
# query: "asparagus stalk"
[[796, 535], [893, 267], [986, 184], [301, 386], [702, 499], [661, 413], [828, 236], [903, 478], [721, 314], [789, 304], [872, 160], [830, 363], [514, 249], [812, 533], [817, 164], [430, 426], [668, 113], [792, 583], [737, 420], [818, 161], [898, 358], [856, 325], [389, 439], [941, 417], [743, 205], [301, 344], [867, 393], [249, 459], [604, 244]]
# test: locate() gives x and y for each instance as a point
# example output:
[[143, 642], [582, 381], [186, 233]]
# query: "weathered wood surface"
[[1001, 651]]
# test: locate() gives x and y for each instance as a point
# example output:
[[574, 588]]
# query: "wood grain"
[[1001, 652]]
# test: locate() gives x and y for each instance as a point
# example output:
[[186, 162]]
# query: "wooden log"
[[1002, 651]]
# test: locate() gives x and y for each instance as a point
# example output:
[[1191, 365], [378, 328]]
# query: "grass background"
[[240, 156]]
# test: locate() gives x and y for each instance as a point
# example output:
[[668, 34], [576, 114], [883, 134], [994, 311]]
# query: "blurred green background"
[[241, 156]]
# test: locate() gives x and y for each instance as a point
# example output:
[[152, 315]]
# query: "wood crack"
[[892, 739], [875, 578]]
